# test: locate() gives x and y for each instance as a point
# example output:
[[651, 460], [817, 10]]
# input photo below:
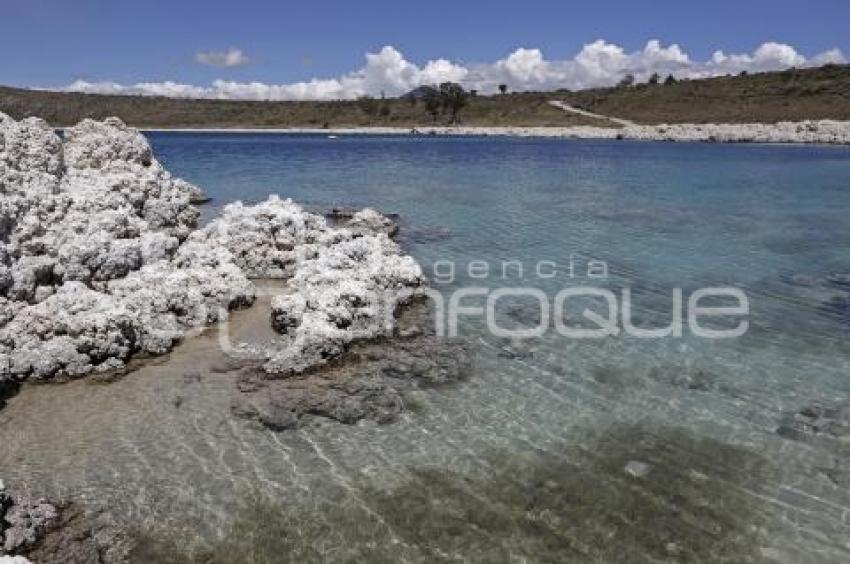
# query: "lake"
[[614, 449]]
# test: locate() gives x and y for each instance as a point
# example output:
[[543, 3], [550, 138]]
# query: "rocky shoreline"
[[102, 262], [828, 132], [46, 532], [23, 521]]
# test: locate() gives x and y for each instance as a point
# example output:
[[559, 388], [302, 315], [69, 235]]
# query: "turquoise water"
[[660, 215], [527, 461]]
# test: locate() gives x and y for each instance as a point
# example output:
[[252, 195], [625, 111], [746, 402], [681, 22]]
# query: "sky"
[[261, 49]]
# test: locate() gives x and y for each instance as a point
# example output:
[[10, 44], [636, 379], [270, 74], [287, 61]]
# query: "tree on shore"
[[367, 105], [654, 78], [670, 79], [433, 102], [453, 98], [503, 88], [626, 81]]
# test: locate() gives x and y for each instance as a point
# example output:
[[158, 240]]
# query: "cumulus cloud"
[[599, 63], [231, 58]]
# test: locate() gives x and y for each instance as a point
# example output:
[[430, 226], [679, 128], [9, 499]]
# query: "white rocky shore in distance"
[[816, 131], [101, 259]]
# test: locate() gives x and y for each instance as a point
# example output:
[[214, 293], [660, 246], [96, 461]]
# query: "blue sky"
[[50, 43]]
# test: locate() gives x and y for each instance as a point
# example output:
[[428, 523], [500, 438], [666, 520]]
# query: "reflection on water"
[[532, 457]]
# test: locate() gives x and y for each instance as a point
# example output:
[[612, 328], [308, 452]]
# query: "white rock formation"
[[369, 220], [266, 240], [811, 131], [23, 521], [345, 281], [93, 261], [101, 259], [348, 290], [824, 131]]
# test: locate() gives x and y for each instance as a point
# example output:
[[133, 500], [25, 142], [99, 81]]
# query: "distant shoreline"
[[381, 130], [805, 132], [794, 95]]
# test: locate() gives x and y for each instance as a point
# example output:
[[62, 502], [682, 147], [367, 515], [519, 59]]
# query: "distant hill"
[[418, 93], [792, 95], [818, 93], [65, 108]]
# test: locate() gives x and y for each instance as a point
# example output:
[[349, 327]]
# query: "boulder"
[[94, 263], [23, 521], [101, 258]]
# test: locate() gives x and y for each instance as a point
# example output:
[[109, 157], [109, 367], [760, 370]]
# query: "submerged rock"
[[703, 501], [817, 420], [47, 533], [637, 469], [367, 220], [23, 521], [372, 382], [371, 221]]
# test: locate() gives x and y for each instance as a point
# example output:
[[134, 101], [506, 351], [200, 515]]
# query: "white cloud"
[[231, 58], [834, 56], [599, 63]]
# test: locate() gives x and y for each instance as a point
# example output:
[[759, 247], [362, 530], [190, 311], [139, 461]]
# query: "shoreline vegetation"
[[794, 95]]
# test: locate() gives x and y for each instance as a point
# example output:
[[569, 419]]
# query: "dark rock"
[[516, 349], [429, 361], [231, 364], [369, 383], [839, 281], [802, 280], [817, 420], [8, 388], [610, 377], [423, 235], [698, 380], [70, 539], [351, 217], [192, 377], [285, 407], [527, 314], [838, 307], [689, 378], [24, 521], [249, 382]]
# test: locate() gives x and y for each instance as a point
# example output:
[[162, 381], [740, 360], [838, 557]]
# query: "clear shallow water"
[[550, 413]]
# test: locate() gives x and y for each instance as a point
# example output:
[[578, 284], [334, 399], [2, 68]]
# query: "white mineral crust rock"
[[101, 258], [809, 131], [94, 266], [345, 281], [23, 521]]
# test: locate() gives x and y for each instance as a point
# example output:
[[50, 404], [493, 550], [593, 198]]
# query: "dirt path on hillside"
[[570, 109]]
